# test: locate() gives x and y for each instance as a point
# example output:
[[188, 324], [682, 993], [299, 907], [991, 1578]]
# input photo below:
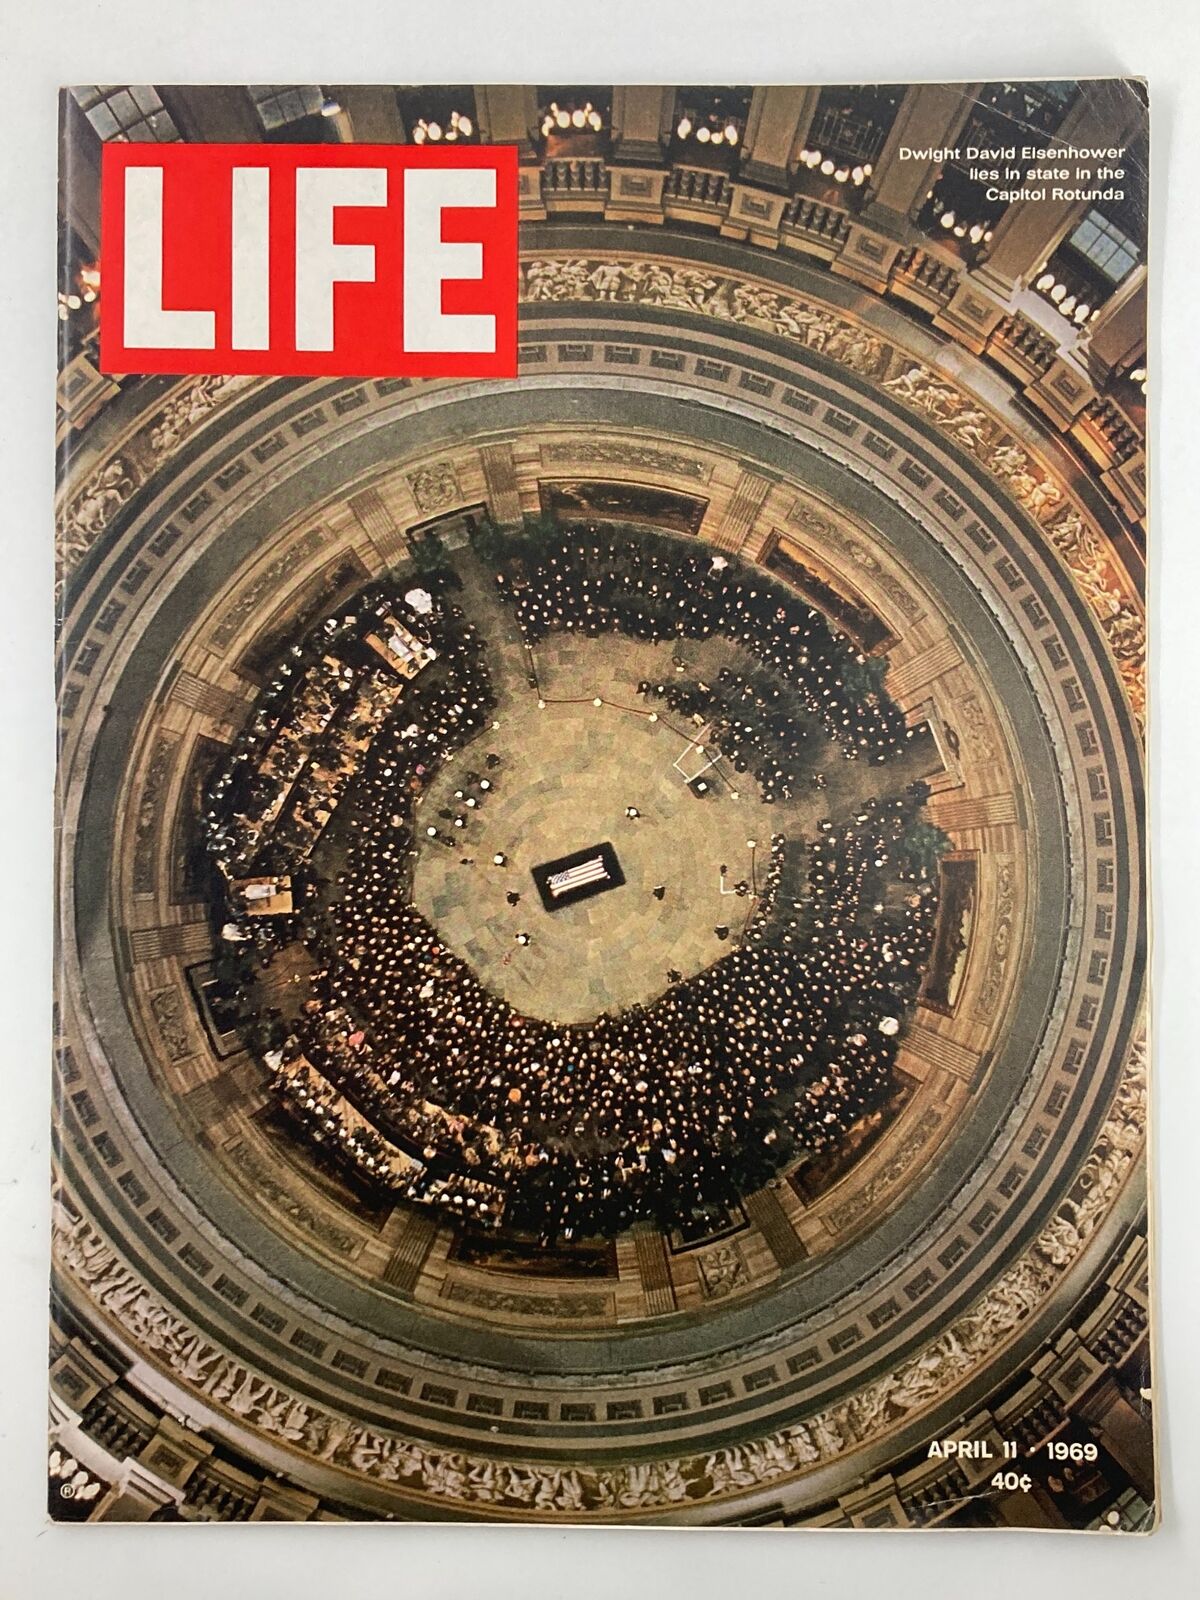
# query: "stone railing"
[[112, 1426], [810, 219], [1030, 349], [697, 186], [563, 176], [1121, 437], [213, 1496], [924, 278]]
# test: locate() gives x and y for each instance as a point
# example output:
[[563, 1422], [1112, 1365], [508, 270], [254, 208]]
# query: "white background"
[[44, 43]]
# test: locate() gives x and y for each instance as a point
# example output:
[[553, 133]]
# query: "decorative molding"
[[902, 1158], [147, 826], [152, 442], [166, 1007], [822, 529], [284, 565], [567, 1307], [1000, 953], [435, 488], [722, 1270], [612, 452], [267, 1185]]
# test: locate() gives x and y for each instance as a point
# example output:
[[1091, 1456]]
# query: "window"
[[132, 113], [1108, 249], [278, 104], [852, 123]]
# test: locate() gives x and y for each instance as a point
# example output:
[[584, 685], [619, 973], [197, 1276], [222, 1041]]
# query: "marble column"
[[931, 117], [779, 120], [174, 1452], [641, 122], [875, 1505], [372, 113], [280, 1502], [137, 1494], [79, 1375], [1124, 1433], [1089, 1391], [211, 114], [1117, 337], [507, 112], [79, 173]]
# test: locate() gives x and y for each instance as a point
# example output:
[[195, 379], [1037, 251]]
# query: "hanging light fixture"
[[947, 219], [684, 126]]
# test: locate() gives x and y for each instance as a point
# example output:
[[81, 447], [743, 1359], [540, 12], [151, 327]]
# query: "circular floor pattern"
[[555, 793]]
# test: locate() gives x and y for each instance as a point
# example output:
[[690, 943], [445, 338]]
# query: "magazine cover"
[[602, 943]]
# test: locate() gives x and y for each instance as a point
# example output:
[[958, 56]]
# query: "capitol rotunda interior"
[[602, 916]]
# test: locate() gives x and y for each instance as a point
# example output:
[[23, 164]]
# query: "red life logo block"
[[309, 260]]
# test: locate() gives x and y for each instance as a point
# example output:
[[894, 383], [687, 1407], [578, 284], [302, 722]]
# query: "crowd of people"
[[658, 1111], [755, 727], [660, 589], [431, 1086]]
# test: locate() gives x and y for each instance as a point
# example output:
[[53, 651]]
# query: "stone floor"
[[568, 770]]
